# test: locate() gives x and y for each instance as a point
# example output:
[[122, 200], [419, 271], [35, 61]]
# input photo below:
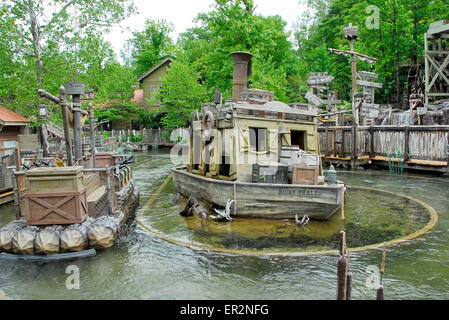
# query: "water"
[[370, 218], [145, 267]]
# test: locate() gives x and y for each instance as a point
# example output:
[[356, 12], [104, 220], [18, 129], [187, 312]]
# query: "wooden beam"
[[440, 71]]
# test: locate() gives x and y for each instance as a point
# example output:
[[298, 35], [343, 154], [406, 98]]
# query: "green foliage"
[[149, 46], [233, 26], [44, 46], [121, 113], [150, 119], [180, 94], [397, 41]]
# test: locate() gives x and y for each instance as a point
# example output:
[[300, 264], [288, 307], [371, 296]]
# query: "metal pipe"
[[242, 70]]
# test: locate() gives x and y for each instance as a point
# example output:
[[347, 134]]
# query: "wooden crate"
[[49, 180], [105, 159], [61, 208], [305, 175]]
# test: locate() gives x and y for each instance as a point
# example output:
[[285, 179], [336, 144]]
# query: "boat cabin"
[[253, 137], [227, 141]]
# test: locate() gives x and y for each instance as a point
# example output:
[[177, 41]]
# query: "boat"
[[257, 157]]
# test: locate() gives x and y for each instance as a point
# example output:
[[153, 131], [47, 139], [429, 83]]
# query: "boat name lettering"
[[299, 193]]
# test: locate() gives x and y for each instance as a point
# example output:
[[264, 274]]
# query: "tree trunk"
[[37, 38]]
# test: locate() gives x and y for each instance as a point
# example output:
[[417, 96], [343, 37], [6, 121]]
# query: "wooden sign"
[[313, 99], [75, 88], [370, 110], [369, 84], [365, 75], [421, 111], [332, 102], [320, 80]]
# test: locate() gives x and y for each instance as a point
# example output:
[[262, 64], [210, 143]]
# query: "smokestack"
[[242, 70]]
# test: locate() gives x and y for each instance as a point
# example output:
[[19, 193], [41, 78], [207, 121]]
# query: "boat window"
[[298, 139], [258, 139]]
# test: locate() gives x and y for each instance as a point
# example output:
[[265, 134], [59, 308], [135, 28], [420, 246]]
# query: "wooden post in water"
[[349, 279], [342, 270], [380, 290]]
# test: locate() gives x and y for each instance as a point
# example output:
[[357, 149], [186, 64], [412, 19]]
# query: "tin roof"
[[8, 117]]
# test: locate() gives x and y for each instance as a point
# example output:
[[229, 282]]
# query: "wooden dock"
[[415, 147]]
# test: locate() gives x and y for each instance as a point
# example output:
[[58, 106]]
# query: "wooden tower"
[[436, 52]]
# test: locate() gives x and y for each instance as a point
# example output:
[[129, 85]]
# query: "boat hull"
[[268, 201]]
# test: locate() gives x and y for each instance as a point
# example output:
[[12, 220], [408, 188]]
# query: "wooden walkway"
[[415, 147]]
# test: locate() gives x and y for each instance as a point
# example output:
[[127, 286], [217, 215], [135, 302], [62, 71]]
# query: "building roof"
[[160, 64], [10, 118]]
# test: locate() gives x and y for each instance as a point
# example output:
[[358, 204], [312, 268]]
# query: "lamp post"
[[76, 89], [43, 116]]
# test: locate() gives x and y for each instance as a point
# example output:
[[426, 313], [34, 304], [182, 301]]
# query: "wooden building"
[[151, 83], [11, 126]]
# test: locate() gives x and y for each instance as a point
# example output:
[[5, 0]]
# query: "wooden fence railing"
[[148, 136], [413, 143]]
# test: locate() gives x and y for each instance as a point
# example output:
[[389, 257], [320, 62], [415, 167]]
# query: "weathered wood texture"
[[262, 200], [19, 238], [406, 143]]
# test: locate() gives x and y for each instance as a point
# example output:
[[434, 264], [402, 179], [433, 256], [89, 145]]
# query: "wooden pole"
[[77, 127], [349, 279], [380, 293], [427, 71], [342, 278], [92, 135], [65, 123], [16, 194], [355, 113], [342, 269], [109, 175]]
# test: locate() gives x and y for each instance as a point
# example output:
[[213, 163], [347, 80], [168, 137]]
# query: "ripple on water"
[[146, 267]]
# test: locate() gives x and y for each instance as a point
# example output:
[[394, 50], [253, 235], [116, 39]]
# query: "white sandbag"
[[7, 234], [23, 241], [48, 241], [103, 233], [74, 238]]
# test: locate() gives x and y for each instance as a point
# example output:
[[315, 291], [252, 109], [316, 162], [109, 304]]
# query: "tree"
[[151, 45], [398, 41], [46, 37], [233, 25], [180, 94]]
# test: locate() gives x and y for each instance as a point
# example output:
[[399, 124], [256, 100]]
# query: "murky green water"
[[145, 267], [370, 218]]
